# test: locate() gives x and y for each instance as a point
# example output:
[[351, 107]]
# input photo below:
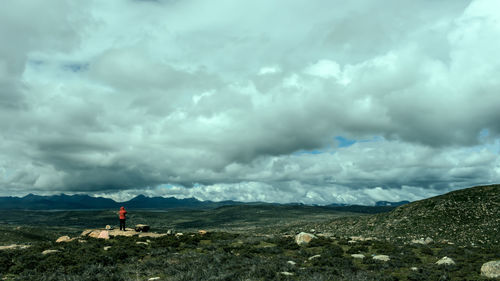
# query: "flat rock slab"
[[129, 232], [14, 247], [381, 258]]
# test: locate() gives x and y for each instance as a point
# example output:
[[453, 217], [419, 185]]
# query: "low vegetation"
[[258, 243], [231, 256]]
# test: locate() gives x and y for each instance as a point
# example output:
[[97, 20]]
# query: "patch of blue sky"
[[344, 142]]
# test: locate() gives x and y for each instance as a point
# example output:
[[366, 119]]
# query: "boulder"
[[291, 262], [107, 248], [179, 234], [141, 243], [358, 256], [141, 228], [63, 239], [109, 227], [154, 278], [202, 232], [491, 269], [286, 273], [445, 261], [304, 238], [104, 235], [381, 258]]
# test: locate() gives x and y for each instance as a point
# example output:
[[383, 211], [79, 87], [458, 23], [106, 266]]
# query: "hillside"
[[469, 216]]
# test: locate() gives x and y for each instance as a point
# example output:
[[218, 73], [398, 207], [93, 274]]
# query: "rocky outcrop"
[[445, 261], [304, 238], [491, 269]]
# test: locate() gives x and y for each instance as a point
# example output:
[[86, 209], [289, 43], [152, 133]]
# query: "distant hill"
[[467, 216]]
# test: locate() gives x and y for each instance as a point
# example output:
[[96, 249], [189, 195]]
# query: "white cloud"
[[120, 96]]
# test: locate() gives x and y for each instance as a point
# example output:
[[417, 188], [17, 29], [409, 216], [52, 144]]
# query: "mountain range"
[[84, 202]]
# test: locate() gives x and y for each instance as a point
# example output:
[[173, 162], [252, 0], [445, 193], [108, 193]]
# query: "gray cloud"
[[236, 101]]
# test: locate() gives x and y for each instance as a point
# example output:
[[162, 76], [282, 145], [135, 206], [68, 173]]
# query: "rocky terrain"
[[448, 237], [466, 217]]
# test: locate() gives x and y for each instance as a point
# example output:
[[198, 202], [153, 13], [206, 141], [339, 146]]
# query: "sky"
[[316, 102]]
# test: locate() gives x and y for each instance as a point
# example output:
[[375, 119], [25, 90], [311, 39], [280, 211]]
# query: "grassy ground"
[[242, 244]]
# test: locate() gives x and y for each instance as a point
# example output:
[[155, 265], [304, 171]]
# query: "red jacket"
[[122, 213]]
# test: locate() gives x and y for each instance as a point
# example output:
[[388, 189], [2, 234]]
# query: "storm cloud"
[[282, 101]]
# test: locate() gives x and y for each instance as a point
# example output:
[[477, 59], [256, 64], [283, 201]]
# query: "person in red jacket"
[[123, 217]]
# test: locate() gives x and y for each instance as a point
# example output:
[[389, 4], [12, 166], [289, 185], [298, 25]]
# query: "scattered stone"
[[104, 235], [64, 238], [445, 261], [14, 247], [304, 238], [46, 252], [291, 262], [107, 248], [422, 241], [154, 278], [491, 269], [109, 227], [358, 256], [202, 232], [381, 258], [142, 228], [286, 273], [313, 257]]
